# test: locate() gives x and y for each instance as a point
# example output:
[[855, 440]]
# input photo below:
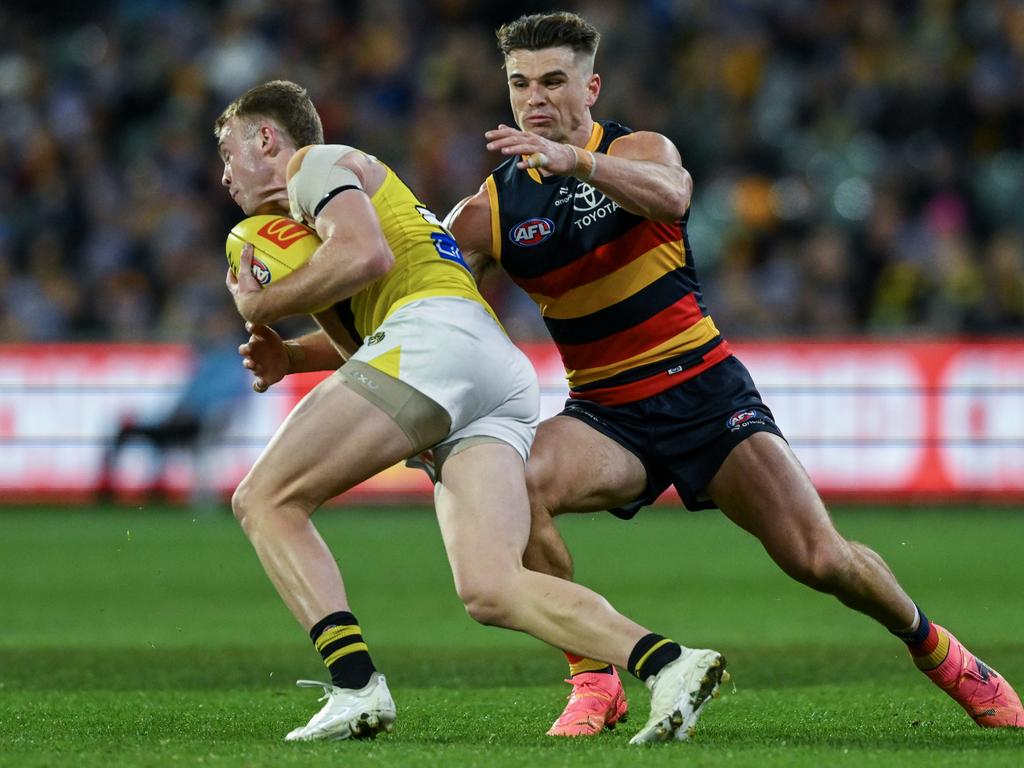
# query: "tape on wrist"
[[296, 355], [586, 173]]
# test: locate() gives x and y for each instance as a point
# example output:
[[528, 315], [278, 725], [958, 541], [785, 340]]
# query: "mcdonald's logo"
[[283, 232]]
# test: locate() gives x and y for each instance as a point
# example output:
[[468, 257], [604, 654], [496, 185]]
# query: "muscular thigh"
[[482, 491], [763, 488], [575, 468], [333, 440]]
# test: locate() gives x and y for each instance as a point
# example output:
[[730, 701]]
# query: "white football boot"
[[678, 692], [348, 713]]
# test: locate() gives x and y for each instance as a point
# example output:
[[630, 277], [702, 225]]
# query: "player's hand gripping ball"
[[281, 245]]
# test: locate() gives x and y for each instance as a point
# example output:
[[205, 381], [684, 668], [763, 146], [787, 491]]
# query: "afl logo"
[[531, 232], [740, 417], [260, 271]]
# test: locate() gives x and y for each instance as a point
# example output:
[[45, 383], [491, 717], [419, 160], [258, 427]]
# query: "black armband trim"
[[330, 196]]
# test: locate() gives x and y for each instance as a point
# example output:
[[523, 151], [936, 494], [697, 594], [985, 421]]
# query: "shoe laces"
[[328, 688], [584, 688]]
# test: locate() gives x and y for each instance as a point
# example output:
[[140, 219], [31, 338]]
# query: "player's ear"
[[270, 139], [593, 89]]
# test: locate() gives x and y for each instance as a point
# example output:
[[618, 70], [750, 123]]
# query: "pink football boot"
[[596, 702], [975, 686]]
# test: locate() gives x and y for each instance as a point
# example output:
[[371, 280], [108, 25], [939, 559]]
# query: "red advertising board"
[[940, 421]]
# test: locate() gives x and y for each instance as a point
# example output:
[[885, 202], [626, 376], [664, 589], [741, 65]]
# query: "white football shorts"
[[453, 351]]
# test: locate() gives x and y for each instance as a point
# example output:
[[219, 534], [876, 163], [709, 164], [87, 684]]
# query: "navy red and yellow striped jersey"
[[619, 293]]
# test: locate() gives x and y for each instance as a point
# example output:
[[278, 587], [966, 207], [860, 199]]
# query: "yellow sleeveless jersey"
[[428, 261]]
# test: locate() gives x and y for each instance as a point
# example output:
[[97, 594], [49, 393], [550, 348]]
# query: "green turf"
[[151, 637]]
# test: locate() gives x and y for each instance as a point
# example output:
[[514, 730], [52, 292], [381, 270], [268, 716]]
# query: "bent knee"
[[487, 603], [546, 551], [240, 502], [822, 564], [253, 503], [246, 507], [542, 485]]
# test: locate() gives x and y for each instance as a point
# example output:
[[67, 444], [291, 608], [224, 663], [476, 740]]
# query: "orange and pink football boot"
[[986, 696], [596, 702]]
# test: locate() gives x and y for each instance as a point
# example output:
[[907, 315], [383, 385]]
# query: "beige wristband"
[[296, 356], [585, 165]]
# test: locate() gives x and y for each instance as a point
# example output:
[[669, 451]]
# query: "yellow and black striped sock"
[[651, 653], [578, 664], [340, 642]]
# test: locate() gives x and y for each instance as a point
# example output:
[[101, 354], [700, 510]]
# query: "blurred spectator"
[[825, 300], [857, 166], [1002, 310], [200, 413]]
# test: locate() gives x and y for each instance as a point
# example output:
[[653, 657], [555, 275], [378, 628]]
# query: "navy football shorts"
[[682, 435]]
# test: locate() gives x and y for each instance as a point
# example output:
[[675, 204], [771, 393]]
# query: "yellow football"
[[282, 245]]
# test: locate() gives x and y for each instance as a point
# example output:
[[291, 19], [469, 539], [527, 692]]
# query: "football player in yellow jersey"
[[694, 421], [434, 371]]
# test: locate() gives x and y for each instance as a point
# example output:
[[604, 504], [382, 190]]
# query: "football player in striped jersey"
[[589, 218], [435, 371]]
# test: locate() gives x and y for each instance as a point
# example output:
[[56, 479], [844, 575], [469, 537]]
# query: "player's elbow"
[[673, 205], [679, 205], [675, 201], [366, 258], [384, 261], [376, 262]]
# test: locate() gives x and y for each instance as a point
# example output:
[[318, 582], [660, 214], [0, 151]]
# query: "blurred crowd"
[[858, 167]]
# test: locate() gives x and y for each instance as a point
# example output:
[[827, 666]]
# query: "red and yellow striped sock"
[[932, 651], [578, 664]]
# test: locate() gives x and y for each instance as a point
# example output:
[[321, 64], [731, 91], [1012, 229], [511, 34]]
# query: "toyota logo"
[[587, 198]]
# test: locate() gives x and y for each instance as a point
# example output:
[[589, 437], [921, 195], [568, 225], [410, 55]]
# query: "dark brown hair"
[[283, 101], [549, 30]]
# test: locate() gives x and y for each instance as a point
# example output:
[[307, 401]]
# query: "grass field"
[[152, 637]]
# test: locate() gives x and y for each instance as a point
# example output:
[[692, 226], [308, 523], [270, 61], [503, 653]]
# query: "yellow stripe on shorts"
[[389, 363]]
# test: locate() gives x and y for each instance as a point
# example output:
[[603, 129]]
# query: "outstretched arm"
[[642, 171], [470, 224]]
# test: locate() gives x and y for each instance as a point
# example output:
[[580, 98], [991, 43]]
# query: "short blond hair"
[[286, 103]]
